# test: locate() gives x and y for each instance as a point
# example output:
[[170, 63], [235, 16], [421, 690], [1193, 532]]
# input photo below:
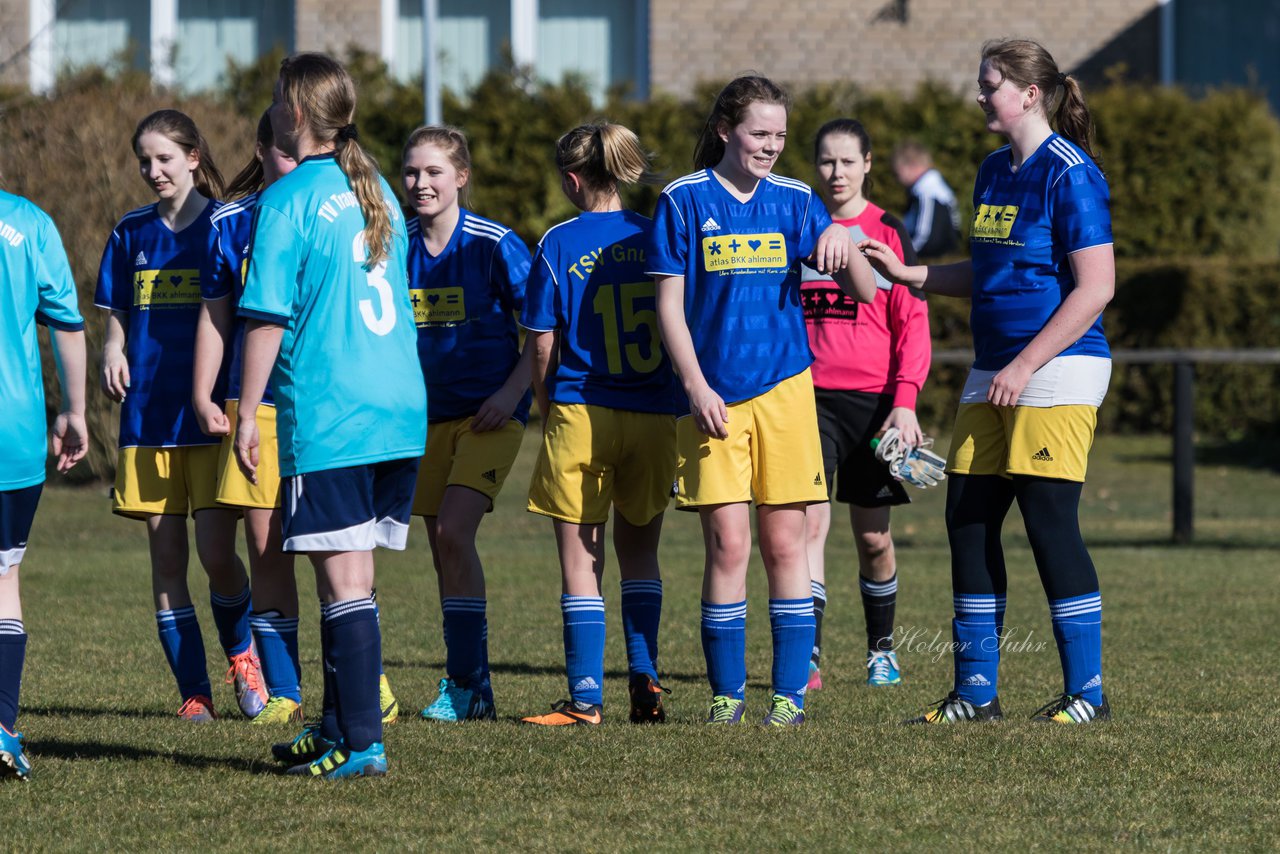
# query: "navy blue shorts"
[[349, 509], [17, 512]]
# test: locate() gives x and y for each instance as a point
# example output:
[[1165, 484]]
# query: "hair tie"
[[348, 132], [1062, 78]]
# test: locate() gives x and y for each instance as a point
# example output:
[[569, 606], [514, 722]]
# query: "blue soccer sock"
[[1077, 627], [276, 638], [231, 616], [724, 645], [641, 614], [464, 620], [584, 647], [13, 652], [977, 647], [355, 652], [184, 650], [819, 591], [792, 623]]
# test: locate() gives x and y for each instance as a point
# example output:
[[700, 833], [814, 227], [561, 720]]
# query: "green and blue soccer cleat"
[[726, 710], [783, 712], [307, 746], [1073, 709], [14, 763], [456, 704], [339, 763], [279, 710], [953, 709]]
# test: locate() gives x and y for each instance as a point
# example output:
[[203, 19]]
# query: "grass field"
[[1189, 763]]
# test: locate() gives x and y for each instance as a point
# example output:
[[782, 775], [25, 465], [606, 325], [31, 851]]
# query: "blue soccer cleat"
[[726, 709], [882, 667], [339, 763], [14, 764], [456, 704]]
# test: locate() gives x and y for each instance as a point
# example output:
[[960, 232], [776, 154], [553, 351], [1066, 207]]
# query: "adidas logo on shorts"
[[1042, 456], [885, 492], [711, 225], [491, 475], [141, 259], [977, 680], [817, 479]]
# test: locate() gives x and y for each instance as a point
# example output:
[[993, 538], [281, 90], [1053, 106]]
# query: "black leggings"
[[976, 507]]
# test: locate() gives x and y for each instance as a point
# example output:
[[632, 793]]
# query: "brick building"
[[652, 45]]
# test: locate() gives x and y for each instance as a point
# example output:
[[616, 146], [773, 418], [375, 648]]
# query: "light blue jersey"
[[347, 384], [35, 287]]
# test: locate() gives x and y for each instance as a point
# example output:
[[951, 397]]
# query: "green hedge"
[[1188, 178]]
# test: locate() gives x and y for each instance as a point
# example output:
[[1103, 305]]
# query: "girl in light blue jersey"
[[727, 247], [607, 395], [466, 280], [149, 282], [36, 287], [331, 325], [1041, 272]]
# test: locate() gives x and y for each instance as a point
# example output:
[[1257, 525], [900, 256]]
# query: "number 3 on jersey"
[[384, 320], [613, 303]]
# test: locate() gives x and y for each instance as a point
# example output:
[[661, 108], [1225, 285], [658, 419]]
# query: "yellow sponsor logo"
[[730, 252], [438, 306], [165, 288], [994, 221]]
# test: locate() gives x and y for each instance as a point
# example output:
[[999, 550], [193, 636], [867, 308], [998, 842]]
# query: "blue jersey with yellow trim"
[[588, 282], [35, 287], [741, 267], [348, 388], [1025, 224], [228, 259], [464, 303], [152, 274]]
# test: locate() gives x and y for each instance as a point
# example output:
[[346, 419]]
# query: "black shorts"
[[847, 422]]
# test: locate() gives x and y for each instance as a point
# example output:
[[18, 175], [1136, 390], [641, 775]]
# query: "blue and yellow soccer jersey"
[[741, 268], [588, 281], [152, 274], [35, 287], [348, 388], [228, 259], [1025, 224], [464, 304]]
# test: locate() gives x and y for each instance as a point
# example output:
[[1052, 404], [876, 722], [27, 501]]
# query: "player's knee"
[[874, 545]]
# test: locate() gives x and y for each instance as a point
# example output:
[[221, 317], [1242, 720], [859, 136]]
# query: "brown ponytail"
[[178, 128], [321, 91], [730, 109], [1025, 62], [604, 155]]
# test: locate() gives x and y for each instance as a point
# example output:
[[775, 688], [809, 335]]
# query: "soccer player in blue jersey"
[[36, 287], [331, 325], [607, 393], [274, 621], [1041, 272], [466, 281], [727, 246], [149, 282]]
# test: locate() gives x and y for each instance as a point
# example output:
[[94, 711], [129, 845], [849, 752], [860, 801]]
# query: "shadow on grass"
[[73, 750], [521, 668], [1198, 544], [1245, 453], [83, 712]]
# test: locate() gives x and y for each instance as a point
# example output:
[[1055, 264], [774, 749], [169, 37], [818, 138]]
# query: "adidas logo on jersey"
[[491, 475], [1095, 682], [711, 225], [141, 259], [1042, 456], [587, 684], [977, 680]]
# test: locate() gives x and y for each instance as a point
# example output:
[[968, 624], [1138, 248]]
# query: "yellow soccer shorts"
[[1049, 441], [773, 452], [233, 487], [455, 456], [594, 456], [165, 481]]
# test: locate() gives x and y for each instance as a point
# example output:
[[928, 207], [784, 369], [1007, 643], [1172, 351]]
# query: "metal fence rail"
[[1184, 362]]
